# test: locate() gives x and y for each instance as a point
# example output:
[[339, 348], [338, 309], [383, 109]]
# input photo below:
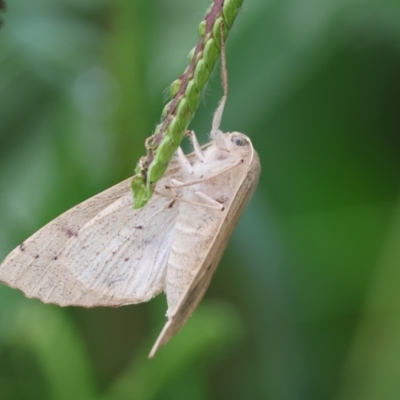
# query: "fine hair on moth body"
[[103, 252]]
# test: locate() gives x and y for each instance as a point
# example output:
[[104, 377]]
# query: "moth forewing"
[[26, 266], [205, 270], [68, 261]]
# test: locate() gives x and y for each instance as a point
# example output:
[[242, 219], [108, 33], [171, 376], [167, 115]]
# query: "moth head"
[[226, 145], [230, 141], [237, 142]]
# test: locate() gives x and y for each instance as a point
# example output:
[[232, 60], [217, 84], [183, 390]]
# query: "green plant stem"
[[185, 97]]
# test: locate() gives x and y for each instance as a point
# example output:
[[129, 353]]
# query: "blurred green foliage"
[[306, 302]]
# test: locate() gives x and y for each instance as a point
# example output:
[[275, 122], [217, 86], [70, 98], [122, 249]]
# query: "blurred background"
[[306, 301]]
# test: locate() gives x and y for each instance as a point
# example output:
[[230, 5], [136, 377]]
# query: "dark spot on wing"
[[22, 246], [170, 205], [69, 232], [37, 256], [127, 259], [139, 227], [55, 258], [223, 199]]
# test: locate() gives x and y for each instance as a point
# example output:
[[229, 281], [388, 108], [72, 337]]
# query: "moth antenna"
[[224, 71], [216, 133]]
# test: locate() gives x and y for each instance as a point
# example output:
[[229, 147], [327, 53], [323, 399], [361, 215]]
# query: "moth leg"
[[184, 162], [196, 147], [210, 200], [175, 183], [215, 205], [178, 184]]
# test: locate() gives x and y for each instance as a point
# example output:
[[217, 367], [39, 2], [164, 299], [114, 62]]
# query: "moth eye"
[[238, 141]]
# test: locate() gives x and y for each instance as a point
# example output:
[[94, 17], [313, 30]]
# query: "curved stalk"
[[185, 97]]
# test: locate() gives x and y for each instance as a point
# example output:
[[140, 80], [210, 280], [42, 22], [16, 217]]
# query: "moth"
[[102, 252]]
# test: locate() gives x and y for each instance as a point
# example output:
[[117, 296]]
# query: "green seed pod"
[[174, 87], [165, 152], [165, 110], [191, 54], [230, 10], [202, 29], [192, 95], [137, 182], [211, 53], [138, 170], [175, 131], [184, 114], [201, 74], [217, 31], [141, 193]]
